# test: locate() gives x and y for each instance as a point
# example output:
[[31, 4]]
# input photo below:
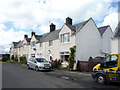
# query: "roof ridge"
[[79, 23], [104, 26]]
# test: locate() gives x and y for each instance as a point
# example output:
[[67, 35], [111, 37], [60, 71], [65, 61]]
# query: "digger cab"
[[108, 70]]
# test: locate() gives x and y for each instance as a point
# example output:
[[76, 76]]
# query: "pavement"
[[18, 76]]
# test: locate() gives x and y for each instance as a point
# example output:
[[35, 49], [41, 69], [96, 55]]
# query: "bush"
[[23, 60], [12, 57], [14, 62], [71, 58], [56, 64]]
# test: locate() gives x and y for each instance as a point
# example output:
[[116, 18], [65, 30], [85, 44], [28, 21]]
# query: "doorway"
[[64, 56]]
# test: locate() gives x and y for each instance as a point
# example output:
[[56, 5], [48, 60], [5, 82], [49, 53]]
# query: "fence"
[[86, 66]]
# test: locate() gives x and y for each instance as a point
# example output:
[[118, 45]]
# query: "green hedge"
[[23, 60]]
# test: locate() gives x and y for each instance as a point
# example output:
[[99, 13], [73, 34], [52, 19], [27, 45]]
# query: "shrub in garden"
[[23, 60], [71, 58], [56, 64]]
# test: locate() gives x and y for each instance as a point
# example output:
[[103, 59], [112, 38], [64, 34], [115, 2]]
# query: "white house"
[[106, 34], [20, 48], [88, 41], [115, 43], [87, 38]]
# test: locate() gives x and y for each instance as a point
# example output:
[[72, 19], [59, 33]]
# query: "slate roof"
[[55, 34], [28, 40], [72, 27], [117, 31], [19, 44], [48, 36], [16, 44], [75, 27], [103, 29], [38, 36], [78, 25]]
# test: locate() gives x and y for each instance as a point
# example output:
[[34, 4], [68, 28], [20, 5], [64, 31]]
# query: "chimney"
[[52, 27], [68, 20], [33, 33], [25, 36]]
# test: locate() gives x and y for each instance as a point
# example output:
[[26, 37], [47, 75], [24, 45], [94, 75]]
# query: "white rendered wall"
[[88, 42]]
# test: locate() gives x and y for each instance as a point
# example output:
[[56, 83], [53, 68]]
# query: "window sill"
[[65, 43]]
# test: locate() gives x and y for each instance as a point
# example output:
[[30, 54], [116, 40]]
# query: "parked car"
[[38, 64], [99, 59]]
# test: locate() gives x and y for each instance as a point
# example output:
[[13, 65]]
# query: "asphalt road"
[[17, 76]]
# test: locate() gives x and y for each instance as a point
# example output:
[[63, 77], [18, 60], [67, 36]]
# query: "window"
[[24, 46], [41, 44], [50, 43], [111, 61], [32, 55], [41, 60], [64, 53], [15, 50], [61, 38], [65, 37], [64, 56], [24, 55], [33, 44]]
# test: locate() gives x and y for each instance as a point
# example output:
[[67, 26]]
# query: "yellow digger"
[[108, 70]]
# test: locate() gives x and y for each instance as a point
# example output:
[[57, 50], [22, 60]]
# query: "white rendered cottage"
[[115, 44], [88, 39]]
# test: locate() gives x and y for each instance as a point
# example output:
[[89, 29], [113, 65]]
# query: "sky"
[[20, 17]]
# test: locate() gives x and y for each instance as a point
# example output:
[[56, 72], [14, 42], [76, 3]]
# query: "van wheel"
[[36, 68], [100, 79]]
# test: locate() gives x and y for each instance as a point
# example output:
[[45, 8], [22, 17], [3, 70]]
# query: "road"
[[17, 76]]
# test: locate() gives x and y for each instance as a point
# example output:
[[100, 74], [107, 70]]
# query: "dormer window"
[[65, 37], [33, 44], [24, 46]]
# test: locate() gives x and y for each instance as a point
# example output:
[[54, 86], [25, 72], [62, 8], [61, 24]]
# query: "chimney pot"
[[68, 20], [25, 36], [52, 27]]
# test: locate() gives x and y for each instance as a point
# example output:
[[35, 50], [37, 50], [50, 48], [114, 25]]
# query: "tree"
[[71, 58]]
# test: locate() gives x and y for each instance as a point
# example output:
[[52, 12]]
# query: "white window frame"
[[24, 46], [41, 45], [64, 38], [33, 44], [50, 43]]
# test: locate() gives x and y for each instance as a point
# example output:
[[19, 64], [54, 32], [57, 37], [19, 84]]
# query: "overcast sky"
[[19, 17]]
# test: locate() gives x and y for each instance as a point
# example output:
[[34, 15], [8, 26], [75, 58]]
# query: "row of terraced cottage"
[[90, 41]]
